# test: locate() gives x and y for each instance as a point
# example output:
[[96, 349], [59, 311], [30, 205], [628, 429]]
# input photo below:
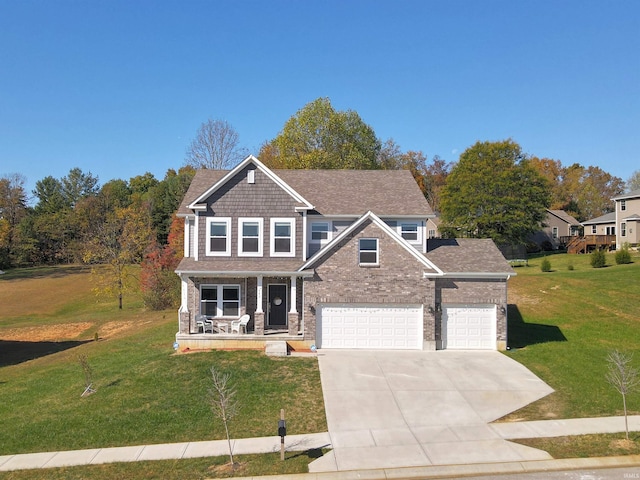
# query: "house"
[[331, 258], [558, 228], [613, 230], [627, 219]]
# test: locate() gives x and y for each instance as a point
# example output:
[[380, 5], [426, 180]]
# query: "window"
[[623, 229], [218, 236], [220, 300], [320, 232], [594, 229], [432, 234], [250, 233], [623, 205], [368, 251], [554, 232], [283, 234], [409, 231]]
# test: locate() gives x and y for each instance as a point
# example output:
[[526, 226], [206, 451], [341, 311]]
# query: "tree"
[[50, 195], [160, 285], [224, 403], [77, 185], [623, 377], [121, 242], [13, 208], [494, 192], [597, 188], [216, 146], [633, 183], [165, 198], [319, 137]]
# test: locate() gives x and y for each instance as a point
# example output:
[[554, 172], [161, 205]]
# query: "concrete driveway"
[[390, 409]]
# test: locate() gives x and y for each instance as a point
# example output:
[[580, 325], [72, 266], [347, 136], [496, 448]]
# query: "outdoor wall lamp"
[[502, 309], [430, 309], [438, 307]]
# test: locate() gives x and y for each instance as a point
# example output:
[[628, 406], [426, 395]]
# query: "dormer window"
[[409, 231], [368, 253]]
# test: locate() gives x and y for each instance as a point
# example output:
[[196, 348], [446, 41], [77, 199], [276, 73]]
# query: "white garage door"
[[369, 326], [469, 327]]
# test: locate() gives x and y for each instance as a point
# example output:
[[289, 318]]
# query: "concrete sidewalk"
[[168, 451]]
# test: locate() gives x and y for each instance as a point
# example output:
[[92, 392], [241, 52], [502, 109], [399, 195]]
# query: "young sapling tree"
[[224, 403], [623, 377]]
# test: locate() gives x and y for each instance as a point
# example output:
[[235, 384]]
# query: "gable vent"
[[251, 176]]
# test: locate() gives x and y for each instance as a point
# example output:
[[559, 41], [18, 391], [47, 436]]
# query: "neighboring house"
[[332, 258], [433, 227], [598, 233], [602, 225], [557, 229], [627, 219]]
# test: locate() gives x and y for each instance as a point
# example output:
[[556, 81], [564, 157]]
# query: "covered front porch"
[[213, 304]]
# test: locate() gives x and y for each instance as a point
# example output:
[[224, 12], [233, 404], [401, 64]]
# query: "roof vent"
[[251, 176]]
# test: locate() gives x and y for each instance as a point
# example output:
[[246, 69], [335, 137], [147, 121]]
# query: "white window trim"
[[272, 243], [210, 220], [220, 300], [623, 229], [377, 250], [329, 225], [260, 223], [554, 232], [594, 229], [623, 205]]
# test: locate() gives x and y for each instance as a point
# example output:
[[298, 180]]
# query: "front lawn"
[[145, 392], [562, 324]]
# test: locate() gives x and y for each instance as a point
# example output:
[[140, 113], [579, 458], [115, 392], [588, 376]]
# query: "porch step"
[[276, 349]]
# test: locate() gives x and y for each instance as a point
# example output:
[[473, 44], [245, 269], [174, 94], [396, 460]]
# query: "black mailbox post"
[[282, 432]]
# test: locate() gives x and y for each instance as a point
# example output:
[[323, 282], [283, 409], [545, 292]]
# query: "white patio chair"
[[203, 322], [240, 324]]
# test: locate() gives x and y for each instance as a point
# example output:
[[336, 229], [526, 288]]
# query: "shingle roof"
[[468, 255], [561, 214], [239, 264], [628, 195], [338, 192], [606, 218]]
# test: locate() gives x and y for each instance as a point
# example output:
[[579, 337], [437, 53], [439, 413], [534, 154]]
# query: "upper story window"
[[623, 205], [283, 234], [250, 233], [594, 229], [220, 300], [368, 253], [432, 234], [218, 236], [410, 232], [320, 232]]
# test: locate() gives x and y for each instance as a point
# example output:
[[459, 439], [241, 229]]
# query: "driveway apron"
[[389, 409]]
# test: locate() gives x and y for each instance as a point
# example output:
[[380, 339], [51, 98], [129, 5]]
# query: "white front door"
[[369, 326], [469, 327]]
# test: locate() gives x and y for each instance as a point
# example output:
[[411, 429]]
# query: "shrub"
[[598, 259], [623, 256], [545, 266], [570, 265]]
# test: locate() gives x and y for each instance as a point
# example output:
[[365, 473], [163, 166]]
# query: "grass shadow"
[[520, 334], [14, 352], [53, 271]]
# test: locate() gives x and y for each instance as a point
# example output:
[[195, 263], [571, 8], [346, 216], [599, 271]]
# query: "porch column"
[[184, 318], [293, 296], [293, 317], [258, 316]]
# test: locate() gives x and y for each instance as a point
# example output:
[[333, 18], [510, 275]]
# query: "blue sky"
[[119, 88]]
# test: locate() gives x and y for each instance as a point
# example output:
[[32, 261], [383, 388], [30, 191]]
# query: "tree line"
[[493, 190]]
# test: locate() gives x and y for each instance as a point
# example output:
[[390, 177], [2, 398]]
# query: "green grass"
[[193, 469], [145, 392], [585, 446], [562, 325]]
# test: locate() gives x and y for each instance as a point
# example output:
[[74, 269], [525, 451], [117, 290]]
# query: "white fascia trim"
[[240, 166], [384, 227], [246, 273], [471, 275]]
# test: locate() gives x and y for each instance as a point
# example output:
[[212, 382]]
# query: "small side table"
[[223, 327]]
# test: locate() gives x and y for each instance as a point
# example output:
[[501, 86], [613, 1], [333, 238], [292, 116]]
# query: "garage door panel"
[[469, 327], [370, 326]]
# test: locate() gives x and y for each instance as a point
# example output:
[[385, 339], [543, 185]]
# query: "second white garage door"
[[469, 326], [369, 326]]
